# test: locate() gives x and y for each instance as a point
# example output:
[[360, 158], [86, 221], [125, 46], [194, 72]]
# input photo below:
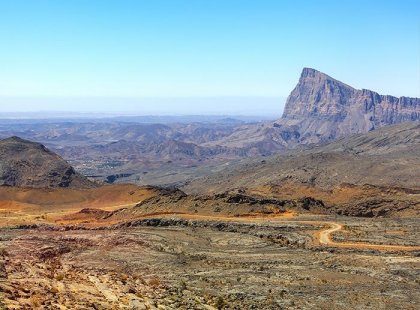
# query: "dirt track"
[[323, 236]]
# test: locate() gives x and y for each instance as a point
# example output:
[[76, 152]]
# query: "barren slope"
[[25, 163], [38, 205], [377, 169]]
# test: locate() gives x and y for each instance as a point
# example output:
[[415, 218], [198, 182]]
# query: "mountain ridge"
[[321, 109], [356, 175], [388, 156], [337, 109], [24, 163]]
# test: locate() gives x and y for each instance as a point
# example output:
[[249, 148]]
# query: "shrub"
[[220, 303]]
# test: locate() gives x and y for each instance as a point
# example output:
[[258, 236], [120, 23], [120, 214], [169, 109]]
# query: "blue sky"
[[114, 55]]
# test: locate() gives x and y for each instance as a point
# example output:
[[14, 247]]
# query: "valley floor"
[[180, 261]]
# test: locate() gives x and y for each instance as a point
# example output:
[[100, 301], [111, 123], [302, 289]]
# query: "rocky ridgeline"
[[321, 108]]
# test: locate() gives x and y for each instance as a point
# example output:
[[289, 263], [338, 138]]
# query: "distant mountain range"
[[57, 117], [145, 150]]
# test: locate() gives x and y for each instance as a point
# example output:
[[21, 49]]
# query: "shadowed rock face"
[[317, 94], [27, 164], [323, 108]]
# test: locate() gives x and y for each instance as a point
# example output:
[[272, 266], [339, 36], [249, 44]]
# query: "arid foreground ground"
[[283, 260]]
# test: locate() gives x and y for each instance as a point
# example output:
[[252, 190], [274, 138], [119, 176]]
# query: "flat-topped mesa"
[[28, 164], [319, 97]]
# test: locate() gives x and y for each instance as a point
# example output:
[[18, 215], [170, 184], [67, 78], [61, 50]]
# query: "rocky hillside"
[[389, 156], [27, 164], [357, 174]]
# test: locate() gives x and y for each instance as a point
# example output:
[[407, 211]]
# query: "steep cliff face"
[[321, 109], [322, 106], [317, 94]]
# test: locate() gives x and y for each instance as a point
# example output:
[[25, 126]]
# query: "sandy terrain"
[[28, 205]]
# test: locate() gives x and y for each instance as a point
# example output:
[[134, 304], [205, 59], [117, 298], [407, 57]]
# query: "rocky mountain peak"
[[15, 138], [317, 94], [311, 73], [328, 108], [15, 143], [25, 163]]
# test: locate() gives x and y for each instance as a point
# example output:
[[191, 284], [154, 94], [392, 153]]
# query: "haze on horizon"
[[198, 57]]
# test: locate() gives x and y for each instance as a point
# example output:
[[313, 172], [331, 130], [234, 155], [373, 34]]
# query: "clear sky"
[[121, 55]]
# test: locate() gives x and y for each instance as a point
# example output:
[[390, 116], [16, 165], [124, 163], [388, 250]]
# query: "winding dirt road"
[[324, 238]]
